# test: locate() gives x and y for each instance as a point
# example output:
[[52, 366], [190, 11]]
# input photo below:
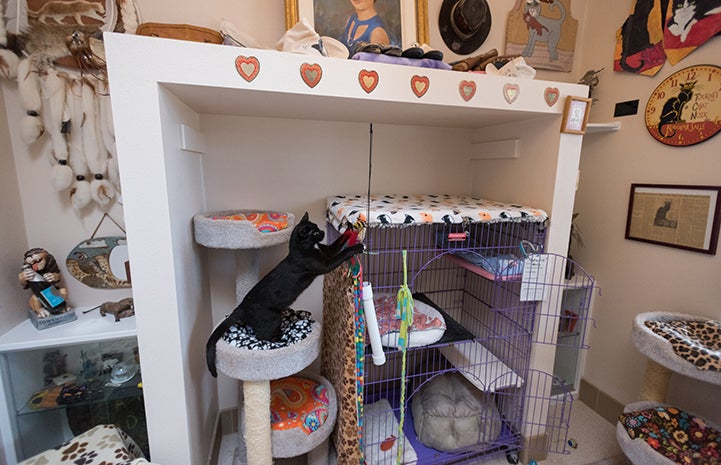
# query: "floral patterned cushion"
[[103, 444], [677, 435]]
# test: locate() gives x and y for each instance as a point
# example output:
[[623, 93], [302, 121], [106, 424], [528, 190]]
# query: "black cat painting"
[[673, 108], [261, 309]]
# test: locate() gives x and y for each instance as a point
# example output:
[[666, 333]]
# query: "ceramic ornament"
[[130, 15], [550, 95], [419, 85], [311, 74], [368, 80], [31, 126], [467, 89], [247, 67], [510, 92]]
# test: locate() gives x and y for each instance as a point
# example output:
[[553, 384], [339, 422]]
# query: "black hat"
[[464, 24]]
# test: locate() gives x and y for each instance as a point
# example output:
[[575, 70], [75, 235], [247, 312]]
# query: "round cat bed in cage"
[[303, 414], [242, 229], [686, 344], [650, 433], [245, 358]]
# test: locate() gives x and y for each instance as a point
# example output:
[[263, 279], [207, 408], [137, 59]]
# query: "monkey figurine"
[[40, 273]]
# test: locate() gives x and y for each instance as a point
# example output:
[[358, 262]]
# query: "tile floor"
[[596, 439]]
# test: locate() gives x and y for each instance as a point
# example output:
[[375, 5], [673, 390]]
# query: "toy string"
[[405, 308]]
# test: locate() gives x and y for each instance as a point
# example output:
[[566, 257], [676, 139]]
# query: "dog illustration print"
[[542, 28]]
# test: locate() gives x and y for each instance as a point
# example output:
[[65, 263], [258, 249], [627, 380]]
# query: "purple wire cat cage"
[[485, 295]]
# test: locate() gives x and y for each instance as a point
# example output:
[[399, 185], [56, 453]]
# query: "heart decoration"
[[368, 80], [467, 90], [550, 95], [511, 92], [248, 67], [311, 73], [419, 85]]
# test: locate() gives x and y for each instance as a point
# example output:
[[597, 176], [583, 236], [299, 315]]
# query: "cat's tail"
[[661, 132], [212, 341]]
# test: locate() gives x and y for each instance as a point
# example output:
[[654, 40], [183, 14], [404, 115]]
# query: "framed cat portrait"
[[684, 217], [685, 108]]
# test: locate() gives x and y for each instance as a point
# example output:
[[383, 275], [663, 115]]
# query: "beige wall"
[[634, 277]]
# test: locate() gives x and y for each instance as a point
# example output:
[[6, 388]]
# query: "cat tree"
[[663, 359], [243, 231]]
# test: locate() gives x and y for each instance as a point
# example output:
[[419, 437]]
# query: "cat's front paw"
[[357, 248]]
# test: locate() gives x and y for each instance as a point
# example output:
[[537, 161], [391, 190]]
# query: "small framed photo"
[[575, 114], [684, 217]]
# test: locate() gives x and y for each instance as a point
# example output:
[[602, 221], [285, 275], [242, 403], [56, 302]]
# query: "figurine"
[[121, 309], [41, 274], [590, 79]]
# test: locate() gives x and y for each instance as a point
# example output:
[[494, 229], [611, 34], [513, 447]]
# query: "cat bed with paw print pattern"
[[242, 356]]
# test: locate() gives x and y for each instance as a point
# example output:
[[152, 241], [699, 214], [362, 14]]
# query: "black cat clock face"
[[685, 108]]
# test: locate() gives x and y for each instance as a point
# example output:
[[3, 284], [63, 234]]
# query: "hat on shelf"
[[302, 38], [464, 24]]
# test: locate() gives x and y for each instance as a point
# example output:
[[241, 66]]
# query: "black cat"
[[634, 34], [262, 307], [673, 108]]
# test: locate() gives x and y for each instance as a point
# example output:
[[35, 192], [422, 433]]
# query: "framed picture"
[[575, 114], [685, 217], [405, 21]]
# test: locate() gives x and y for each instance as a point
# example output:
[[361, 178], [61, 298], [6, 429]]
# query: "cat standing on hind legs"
[[262, 308]]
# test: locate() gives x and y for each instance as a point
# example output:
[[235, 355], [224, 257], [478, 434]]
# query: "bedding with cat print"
[[403, 210]]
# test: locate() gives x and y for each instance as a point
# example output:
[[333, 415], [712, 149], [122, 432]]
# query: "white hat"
[[517, 67], [302, 38]]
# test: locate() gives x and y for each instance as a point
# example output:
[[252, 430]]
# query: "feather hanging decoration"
[[31, 127], [8, 64], [80, 189], [129, 15], [105, 124], [101, 190], [54, 116], [3, 29]]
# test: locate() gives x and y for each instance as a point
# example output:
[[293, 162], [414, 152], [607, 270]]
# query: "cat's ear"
[[305, 217]]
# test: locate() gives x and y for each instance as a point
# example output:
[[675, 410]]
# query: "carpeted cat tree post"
[[247, 232]]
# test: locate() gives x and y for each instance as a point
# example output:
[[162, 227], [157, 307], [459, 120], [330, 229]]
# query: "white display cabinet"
[[204, 127], [33, 363]]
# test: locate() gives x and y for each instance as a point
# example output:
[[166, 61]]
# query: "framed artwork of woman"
[[386, 22]]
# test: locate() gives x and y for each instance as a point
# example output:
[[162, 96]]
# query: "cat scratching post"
[[256, 368]]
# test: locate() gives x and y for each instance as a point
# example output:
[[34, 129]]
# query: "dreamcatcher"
[[63, 87]]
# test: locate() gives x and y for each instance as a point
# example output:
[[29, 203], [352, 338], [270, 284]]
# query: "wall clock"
[[685, 109]]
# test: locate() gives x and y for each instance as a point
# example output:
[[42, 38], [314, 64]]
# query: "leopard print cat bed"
[[686, 344]]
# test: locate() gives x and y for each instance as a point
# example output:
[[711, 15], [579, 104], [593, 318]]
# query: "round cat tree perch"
[[649, 430], [662, 359], [247, 232]]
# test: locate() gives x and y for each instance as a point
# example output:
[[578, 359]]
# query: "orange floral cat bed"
[[263, 221], [297, 402]]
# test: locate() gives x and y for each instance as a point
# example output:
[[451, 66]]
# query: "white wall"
[[12, 233], [635, 277]]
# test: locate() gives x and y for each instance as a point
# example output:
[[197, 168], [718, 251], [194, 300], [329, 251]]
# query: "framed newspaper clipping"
[[685, 217]]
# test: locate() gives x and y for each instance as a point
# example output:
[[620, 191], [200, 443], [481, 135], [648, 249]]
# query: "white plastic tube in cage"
[[374, 334]]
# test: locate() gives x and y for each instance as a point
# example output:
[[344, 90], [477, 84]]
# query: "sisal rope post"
[[257, 433], [655, 382]]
